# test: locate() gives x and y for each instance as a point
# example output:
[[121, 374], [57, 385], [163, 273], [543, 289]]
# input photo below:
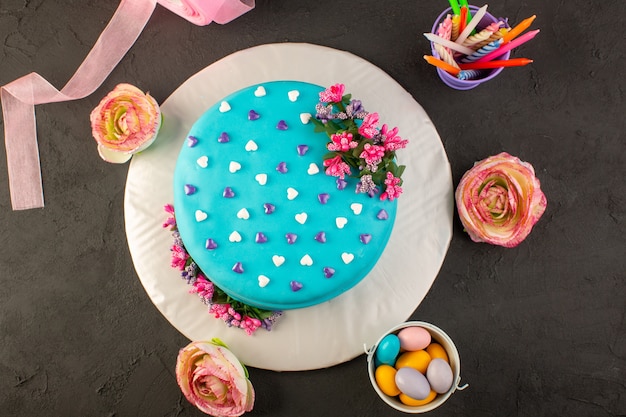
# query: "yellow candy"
[[435, 350], [418, 359], [385, 376], [406, 400]]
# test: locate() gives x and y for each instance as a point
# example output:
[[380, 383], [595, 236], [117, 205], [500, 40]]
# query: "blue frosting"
[[238, 227]]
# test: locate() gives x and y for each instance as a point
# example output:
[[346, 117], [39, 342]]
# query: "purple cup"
[[451, 80]]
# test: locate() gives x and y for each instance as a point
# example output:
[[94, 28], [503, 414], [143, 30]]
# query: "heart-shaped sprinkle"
[[263, 281], [323, 198], [269, 208], [260, 91], [302, 149], [192, 141], [234, 166], [306, 260], [278, 260], [341, 222], [305, 117], [251, 146], [295, 286], [320, 237], [282, 125], [243, 214], [291, 238], [190, 189], [234, 237], [301, 218], [223, 138], [253, 115], [203, 161], [365, 238], [347, 257], [356, 208], [329, 271], [382, 215], [238, 268], [293, 95], [313, 169], [201, 215], [282, 167], [261, 178], [291, 193], [260, 238], [228, 192], [341, 183], [224, 107], [210, 244]]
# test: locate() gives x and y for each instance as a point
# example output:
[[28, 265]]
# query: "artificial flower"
[[499, 200], [212, 378], [333, 93]]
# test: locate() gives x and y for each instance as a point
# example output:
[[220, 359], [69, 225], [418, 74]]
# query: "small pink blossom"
[[372, 154], [336, 167], [341, 142], [392, 189], [179, 257], [203, 287], [332, 94], [368, 127], [391, 140]]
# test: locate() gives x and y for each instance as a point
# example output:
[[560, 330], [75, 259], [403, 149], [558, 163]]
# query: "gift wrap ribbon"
[[20, 96]]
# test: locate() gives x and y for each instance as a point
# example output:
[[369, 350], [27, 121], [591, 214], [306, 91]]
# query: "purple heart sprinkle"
[[252, 115], [302, 149], [192, 141], [223, 138], [211, 244], [329, 271], [189, 189], [291, 238], [320, 237], [323, 197], [295, 286], [341, 183], [282, 125], [282, 167], [269, 208], [365, 238], [238, 268], [382, 215], [228, 192], [260, 238]]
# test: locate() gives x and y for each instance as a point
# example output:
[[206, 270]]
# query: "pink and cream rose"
[[213, 379], [499, 200], [125, 122]]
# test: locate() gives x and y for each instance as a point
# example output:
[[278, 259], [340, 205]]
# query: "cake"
[[256, 210]]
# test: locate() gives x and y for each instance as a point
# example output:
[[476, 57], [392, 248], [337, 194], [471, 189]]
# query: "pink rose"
[[213, 379], [499, 200], [125, 122]]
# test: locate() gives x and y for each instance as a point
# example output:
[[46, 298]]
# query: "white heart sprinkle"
[[356, 208], [293, 95], [306, 260], [347, 257], [234, 237], [251, 146], [260, 91], [305, 117], [313, 169], [224, 107], [243, 214], [278, 260], [341, 222], [201, 215], [203, 161], [263, 281], [291, 193], [261, 178], [301, 218], [234, 166]]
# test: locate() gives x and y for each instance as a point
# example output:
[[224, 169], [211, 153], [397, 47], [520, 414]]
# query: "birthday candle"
[[508, 46], [465, 32], [469, 74], [440, 64], [494, 37], [455, 27], [463, 19], [490, 47], [515, 62], [454, 4], [445, 55], [449, 44], [524, 24], [483, 35], [444, 30]]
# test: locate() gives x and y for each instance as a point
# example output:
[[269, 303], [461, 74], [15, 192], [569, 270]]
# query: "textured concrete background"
[[541, 328]]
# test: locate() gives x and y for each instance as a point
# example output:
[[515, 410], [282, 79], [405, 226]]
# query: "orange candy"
[[418, 359], [385, 376], [406, 400], [435, 350]]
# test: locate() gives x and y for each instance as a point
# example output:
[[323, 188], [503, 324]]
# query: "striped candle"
[[470, 74], [445, 55], [456, 26], [445, 28], [481, 36], [483, 51], [495, 36]]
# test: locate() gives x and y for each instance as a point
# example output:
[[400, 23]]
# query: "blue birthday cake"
[[257, 210]]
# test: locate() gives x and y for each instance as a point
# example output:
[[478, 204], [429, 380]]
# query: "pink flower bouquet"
[[125, 122], [499, 200], [213, 379]]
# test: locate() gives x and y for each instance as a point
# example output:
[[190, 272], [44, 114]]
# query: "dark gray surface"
[[541, 328]]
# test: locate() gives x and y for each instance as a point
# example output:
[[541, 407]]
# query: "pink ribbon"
[[20, 96]]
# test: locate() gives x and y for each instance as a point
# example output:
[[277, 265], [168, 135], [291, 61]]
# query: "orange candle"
[[513, 33], [463, 19], [441, 64]]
